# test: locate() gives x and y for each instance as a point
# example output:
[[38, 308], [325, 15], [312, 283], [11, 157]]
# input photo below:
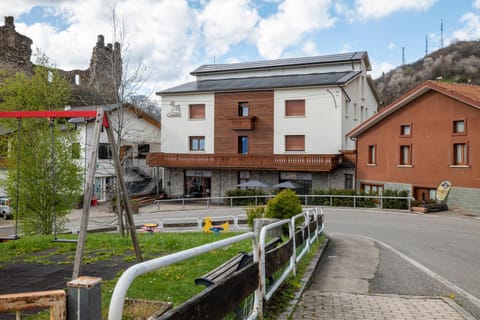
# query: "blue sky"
[[173, 37]]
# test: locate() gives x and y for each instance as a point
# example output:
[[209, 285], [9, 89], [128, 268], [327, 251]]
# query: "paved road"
[[447, 248]]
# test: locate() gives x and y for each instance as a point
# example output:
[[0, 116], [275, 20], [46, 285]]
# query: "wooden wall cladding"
[[260, 139]]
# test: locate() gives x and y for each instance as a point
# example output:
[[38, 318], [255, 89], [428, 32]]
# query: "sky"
[[171, 38]]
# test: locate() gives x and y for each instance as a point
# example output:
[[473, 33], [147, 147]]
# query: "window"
[[405, 130], [104, 151], [197, 111], [294, 108], [460, 154], [376, 189], [243, 144], [243, 109], [295, 143], [143, 149], [348, 181], [197, 143], [77, 79], [405, 155], [459, 127], [372, 154]]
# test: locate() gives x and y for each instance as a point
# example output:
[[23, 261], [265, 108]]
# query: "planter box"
[[420, 209]]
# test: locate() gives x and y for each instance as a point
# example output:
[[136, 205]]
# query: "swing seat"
[[9, 238]]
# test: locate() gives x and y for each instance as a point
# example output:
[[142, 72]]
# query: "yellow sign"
[[443, 189]]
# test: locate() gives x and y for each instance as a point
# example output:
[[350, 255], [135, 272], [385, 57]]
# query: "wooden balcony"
[[294, 162], [241, 123]]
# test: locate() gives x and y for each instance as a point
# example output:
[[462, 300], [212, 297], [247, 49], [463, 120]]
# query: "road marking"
[[431, 273]]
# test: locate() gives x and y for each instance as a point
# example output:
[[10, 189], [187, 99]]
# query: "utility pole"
[[403, 56]]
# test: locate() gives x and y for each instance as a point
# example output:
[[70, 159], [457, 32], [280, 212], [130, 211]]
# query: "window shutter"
[[294, 108], [197, 111], [295, 143]]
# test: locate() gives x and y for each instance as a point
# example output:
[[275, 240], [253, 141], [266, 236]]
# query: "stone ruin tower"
[[96, 85], [15, 49]]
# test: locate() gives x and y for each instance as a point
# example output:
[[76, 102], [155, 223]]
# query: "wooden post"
[[123, 189], [77, 265]]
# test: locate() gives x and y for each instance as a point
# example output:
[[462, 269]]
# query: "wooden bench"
[[236, 263]]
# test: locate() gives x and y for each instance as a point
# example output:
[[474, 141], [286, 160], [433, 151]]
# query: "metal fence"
[[268, 262], [355, 201]]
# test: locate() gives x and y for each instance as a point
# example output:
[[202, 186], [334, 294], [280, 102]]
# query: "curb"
[[305, 281]]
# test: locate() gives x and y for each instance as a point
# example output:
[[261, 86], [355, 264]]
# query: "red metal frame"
[[49, 114]]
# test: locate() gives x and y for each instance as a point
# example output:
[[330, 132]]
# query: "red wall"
[[431, 117]]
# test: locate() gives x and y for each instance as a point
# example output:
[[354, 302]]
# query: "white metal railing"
[[310, 199], [267, 293], [262, 292]]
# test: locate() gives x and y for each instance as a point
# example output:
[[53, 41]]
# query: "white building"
[[272, 121], [140, 134]]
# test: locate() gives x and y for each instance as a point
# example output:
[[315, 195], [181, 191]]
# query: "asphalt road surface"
[[419, 254]]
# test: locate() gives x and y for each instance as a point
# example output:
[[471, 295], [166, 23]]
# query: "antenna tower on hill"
[[441, 33]]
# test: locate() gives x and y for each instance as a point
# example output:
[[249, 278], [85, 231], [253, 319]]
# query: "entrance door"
[[421, 194]]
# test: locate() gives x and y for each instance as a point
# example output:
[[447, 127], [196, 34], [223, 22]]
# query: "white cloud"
[[379, 68], [476, 4], [391, 46], [225, 23], [471, 30], [375, 9], [288, 26]]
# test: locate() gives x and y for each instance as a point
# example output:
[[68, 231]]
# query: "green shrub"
[[395, 203], [284, 205], [245, 193], [254, 212]]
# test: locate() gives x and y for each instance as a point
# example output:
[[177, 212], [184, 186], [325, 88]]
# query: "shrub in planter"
[[284, 205]]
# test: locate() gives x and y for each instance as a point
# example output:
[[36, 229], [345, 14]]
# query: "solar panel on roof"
[[256, 83], [279, 62]]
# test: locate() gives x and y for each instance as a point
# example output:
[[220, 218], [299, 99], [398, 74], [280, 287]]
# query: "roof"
[[259, 83], [283, 63], [111, 107], [466, 93]]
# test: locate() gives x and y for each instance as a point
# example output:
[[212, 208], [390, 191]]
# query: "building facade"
[[426, 136], [273, 121], [139, 135]]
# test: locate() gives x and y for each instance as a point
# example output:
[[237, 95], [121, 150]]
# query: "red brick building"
[[428, 135]]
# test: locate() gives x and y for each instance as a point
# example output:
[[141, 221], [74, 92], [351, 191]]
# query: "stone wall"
[[93, 86], [466, 198]]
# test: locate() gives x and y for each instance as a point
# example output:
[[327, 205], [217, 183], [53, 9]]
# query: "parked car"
[[5, 209]]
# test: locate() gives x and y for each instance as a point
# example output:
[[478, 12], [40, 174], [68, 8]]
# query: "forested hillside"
[[459, 62]]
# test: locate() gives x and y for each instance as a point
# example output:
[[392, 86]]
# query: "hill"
[[459, 62]]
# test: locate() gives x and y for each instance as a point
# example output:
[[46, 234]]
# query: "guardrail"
[[192, 224], [282, 259], [356, 201]]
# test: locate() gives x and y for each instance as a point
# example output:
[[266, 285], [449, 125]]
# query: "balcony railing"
[[241, 123], [294, 162]]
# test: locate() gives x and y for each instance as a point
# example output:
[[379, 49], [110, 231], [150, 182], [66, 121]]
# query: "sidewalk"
[[338, 289]]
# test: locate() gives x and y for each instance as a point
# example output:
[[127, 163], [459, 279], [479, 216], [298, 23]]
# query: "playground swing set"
[[101, 122]]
